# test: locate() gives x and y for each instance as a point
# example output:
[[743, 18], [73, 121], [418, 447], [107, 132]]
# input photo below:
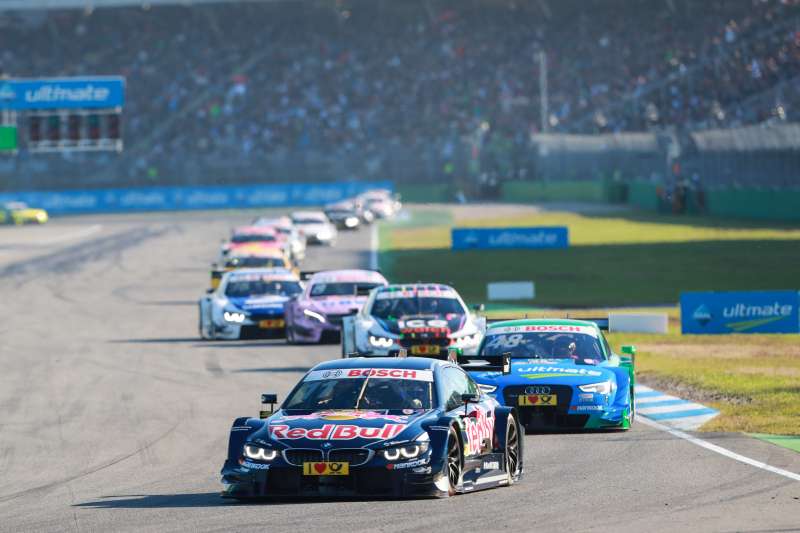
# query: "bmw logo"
[[326, 445]]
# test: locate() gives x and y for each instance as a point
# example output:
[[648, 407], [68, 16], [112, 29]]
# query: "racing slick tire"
[[512, 450], [454, 462]]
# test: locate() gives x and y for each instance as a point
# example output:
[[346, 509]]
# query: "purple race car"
[[315, 316]]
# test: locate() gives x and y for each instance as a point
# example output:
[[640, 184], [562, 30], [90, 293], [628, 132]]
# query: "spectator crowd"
[[338, 89]]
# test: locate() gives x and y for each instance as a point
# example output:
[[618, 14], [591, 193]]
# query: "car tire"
[[512, 450], [454, 463]]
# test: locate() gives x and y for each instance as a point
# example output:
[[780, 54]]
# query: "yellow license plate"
[[326, 469], [270, 324], [538, 399], [425, 349]]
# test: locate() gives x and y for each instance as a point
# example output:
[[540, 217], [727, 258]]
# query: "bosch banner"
[[185, 198], [92, 92], [483, 238], [740, 312]]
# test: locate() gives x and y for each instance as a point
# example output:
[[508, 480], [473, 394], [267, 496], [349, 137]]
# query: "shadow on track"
[[156, 501]]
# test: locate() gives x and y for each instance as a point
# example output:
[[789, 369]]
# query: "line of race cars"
[[429, 397]]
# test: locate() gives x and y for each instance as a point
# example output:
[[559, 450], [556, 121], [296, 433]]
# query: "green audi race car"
[[557, 373]]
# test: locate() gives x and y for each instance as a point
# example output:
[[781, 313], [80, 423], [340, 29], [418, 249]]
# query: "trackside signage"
[[187, 198], [509, 238], [740, 312], [62, 93]]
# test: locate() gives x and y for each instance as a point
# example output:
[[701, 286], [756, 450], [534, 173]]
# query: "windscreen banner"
[[509, 238], [740, 312], [188, 198]]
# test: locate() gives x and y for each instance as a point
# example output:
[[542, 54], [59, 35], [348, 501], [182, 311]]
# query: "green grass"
[[613, 260], [754, 380]]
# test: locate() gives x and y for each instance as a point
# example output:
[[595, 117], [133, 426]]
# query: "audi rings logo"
[[537, 390]]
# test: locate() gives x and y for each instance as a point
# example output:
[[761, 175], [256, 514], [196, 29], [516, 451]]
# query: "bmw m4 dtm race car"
[[391, 427], [556, 373], [248, 304], [316, 314], [246, 236], [423, 318], [251, 256]]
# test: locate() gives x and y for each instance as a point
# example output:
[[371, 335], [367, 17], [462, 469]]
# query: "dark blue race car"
[[377, 427]]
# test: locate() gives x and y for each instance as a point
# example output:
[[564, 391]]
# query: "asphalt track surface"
[[115, 416]]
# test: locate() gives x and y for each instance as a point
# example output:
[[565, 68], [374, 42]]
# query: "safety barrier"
[[189, 198]]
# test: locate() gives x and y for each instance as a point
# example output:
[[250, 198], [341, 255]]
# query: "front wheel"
[[512, 451], [453, 462]]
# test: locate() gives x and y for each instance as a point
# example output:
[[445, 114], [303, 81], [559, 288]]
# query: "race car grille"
[[356, 456], [298, 456], [337, 319], [562, 392]]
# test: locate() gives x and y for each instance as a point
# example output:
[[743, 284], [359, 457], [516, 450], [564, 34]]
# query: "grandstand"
[[232, 92]]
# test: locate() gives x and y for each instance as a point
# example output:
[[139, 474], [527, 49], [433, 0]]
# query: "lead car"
[[376, 427]]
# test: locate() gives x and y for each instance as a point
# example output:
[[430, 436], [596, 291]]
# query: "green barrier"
[[644, 195], [554, 191], [424, 192], [754, 203]]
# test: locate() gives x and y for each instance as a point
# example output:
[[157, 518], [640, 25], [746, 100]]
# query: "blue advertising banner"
[[740, 312], [185, 198], [62, 93], [485, 238]]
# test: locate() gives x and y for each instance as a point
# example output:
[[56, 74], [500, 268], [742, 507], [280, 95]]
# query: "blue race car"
[[557, 373], [381, 426]]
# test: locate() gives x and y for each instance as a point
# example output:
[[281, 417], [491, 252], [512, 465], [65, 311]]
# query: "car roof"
[[542, 322], [347, 275], [277, 274], [411, 363]]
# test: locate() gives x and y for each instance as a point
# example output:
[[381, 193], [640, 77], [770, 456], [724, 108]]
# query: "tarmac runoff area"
[[114, 416]]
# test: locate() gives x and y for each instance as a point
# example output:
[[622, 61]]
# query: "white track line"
[[373, 246], [720, 450]]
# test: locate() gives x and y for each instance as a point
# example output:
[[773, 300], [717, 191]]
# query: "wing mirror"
[[270, 399], [479, 307]]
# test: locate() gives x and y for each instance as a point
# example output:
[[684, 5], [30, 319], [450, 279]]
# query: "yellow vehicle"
[[265, 258], [19, 213]]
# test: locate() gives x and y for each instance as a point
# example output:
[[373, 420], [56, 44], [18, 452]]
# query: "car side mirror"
[[479, 307], [470, 398], [209, 290], [506, 363], [629, 350], [270, 399]]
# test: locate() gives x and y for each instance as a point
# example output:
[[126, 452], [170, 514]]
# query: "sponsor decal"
[[326, 469], [357, 373], [740, 312], [412, 293], [580, 408], [538, 399], [336, 432], [423, 325], [255, 466], [491, 465], [544, 328], [479, 426], [347, 414], [586, 396], [517, 237], [538, 372], [702, 315], [412, 464]]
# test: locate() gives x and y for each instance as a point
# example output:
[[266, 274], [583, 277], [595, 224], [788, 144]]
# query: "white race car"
[[248, 303], [315, 226], [425, 319]]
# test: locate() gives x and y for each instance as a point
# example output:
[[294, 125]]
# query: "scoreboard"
[[61, 114]]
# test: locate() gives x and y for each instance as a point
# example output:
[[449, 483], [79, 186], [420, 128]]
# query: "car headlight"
[[258, 453], [381, 342], [351, 222], [313, 314], [603, 387], [467, 340], [234, 316], [407, 451], [487, 388]]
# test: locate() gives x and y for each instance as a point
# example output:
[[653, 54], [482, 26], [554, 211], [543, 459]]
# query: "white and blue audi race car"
[[423, 318], [248, 303]]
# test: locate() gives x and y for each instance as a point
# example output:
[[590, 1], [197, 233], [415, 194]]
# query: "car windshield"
[[260, 287], [414, 305], [16, 205], [341, 289], [257, 237], [305, 221], [544, 345], [371, 393], [255, 262]]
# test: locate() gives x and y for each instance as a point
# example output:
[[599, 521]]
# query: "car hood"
[[455, 322], [549, 371], [343, 428], [258, 303], [335, 305], [311, 229]]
